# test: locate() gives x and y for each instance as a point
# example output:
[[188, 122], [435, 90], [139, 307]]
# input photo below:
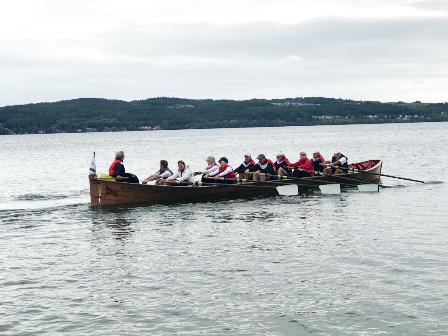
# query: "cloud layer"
[[68, 52]]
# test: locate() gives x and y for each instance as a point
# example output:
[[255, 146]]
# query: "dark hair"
[[180, 161], [164, 163]]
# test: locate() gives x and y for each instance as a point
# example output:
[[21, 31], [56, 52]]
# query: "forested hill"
[[92, 114]]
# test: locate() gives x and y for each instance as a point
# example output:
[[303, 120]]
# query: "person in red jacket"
[[224, 174], [117, 170], [262, 171], [247, 164], [281, 165], [304, 167], [318, 162]]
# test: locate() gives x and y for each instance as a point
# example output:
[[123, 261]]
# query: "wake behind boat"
[[109, 192]]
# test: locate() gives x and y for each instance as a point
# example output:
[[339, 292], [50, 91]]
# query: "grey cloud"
[[432, 5], [394, 59], [404, 39]]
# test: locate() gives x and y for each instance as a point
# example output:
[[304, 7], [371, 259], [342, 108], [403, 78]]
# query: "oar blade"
[[288, 190], [433, 182], [369, 187], [330, 189]]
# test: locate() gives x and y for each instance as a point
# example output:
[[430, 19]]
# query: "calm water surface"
[[359, 263]]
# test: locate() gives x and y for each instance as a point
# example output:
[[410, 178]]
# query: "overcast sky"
[[385, 50]]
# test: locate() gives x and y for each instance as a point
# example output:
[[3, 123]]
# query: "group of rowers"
[[221, 172]]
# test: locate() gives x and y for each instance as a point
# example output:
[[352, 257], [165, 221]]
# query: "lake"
[[358, 263]]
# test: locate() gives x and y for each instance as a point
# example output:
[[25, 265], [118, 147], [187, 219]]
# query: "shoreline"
[[230, 128]]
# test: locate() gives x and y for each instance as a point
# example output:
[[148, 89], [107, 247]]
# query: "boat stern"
[[94, 191]]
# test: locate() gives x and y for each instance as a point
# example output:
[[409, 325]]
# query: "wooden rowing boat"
[[103, 193]]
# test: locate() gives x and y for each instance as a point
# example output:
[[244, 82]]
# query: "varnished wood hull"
[[113, 193], [103, 193]]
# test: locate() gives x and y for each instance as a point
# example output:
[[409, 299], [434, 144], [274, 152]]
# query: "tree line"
[[100, 115]]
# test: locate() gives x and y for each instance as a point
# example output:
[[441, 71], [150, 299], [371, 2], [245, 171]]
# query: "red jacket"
[[230, 175], [321, 158], [284, 163], [304, 165], [112, 167]]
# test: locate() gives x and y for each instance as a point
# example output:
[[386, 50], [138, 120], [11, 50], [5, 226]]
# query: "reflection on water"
[[113, 221]]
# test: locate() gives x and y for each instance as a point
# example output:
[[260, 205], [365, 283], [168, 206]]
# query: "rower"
[[183, 175], [211, 167], [247, 164], [163, 173], [338, 161], [117, 170], [224, 174], [263, 170], [303, 167], [318, 162], [281, 165]]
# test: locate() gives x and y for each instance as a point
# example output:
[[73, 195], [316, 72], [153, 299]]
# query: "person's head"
[[280, 157], [163, 164], [247, 158], [181, 165], [261, 158], [337, 155], [303, 155], [119, 155], [223, 161], [210, 160], [316, 155]]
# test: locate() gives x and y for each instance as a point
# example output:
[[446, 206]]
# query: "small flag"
[[92, 170]]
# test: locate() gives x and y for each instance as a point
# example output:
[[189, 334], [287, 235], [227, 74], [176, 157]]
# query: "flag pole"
[[92, 170]]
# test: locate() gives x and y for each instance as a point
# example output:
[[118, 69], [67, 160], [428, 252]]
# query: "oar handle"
[[220, 178]]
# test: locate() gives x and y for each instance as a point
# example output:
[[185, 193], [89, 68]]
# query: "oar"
[[329, 188], [391, 176], [292, 189], [326, 187], [286, 189], [334, 187], [283, 190], [369, 187], [361, 185]]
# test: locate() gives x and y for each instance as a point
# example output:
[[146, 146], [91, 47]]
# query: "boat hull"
[[104, 193], [114, 193]]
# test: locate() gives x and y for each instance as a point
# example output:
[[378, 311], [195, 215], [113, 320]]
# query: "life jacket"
[[160, 172], [267, 167], [285, 163], [321, 158], [250, 163], [211, 165], [230, 175], [306, 165], [318, 166], [333, 159], [112, 167]]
